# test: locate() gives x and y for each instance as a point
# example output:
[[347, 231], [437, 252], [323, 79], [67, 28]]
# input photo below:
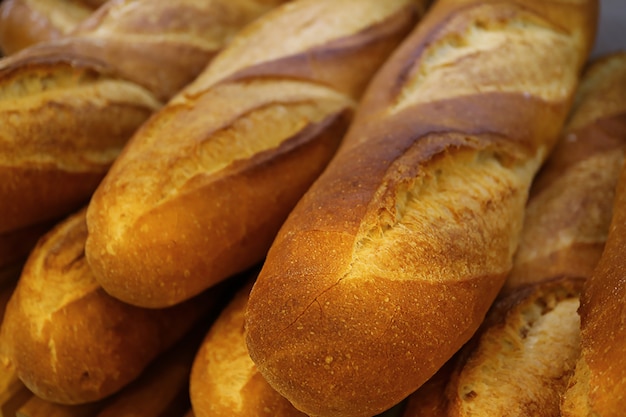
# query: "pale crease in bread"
[[355, 347], [308, 32], [248, 122], [227, 124], [492, 51], [424, 220], [528, 361], [39, 91], [561, 226]]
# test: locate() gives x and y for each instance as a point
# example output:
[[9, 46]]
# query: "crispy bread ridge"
[[68, 340], [68, 106], [202, 188]]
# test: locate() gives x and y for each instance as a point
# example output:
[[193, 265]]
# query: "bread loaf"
[[519, 362], [27, 22], [67, 339], [68, 106], [388, 264], [202, 188], [224, 381], [567, 217], [598, 387], [526, 350]]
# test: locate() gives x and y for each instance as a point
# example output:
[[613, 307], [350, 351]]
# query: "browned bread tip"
[[388, 264], [68, 106], [202, 188], [68, 340], [224, 381]]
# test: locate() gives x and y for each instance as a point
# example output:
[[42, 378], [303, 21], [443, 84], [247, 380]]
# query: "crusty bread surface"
[[388, 264], [519, 362], [224, 381], [598, 387], [68, 106], [202, 188], [571, 203], [524, 370], [68, 340], [27, 22]]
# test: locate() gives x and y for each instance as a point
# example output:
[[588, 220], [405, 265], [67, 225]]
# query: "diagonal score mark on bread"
[[227, 124], [308, 34], [248, 118], [422, 208], [485, 50], [55, 96], [519, 352], [467, 196]]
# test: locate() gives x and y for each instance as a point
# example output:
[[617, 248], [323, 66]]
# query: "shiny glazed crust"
[[202, 188], [389, 263]]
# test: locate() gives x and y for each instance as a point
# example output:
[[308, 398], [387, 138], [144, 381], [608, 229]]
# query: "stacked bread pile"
[[322, 207]]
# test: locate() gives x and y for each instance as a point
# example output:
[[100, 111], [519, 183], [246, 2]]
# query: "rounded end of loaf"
[[69, 341], [355, 346], [224, 381], [155, 241]]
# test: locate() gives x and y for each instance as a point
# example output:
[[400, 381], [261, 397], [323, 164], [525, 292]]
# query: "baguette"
[[68, 106], [224, 381], [68, 340], [598, 386], [388, 264], [28, 22], [526, 350], [570, 207], [202, 188], [518, 363]]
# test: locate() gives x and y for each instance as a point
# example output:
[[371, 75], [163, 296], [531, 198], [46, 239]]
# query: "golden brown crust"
[[519, 361], [390, 261], [208, 181], [26, 22], [68, 106], [598, 387], [224, 381], [69, 341], [566, 222], [568, 214]]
